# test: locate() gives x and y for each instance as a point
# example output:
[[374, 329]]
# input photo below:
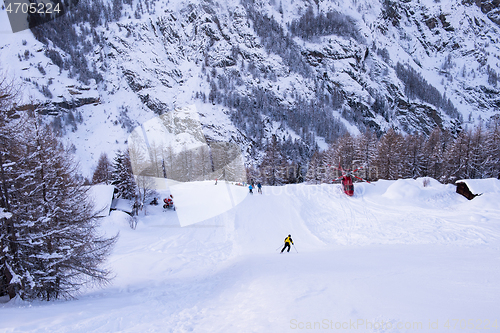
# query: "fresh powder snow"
[[398, 256]]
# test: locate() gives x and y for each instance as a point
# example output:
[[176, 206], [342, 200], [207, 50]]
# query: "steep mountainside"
[[308, 71]]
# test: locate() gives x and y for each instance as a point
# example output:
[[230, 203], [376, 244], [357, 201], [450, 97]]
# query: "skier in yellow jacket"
[[288, 240]]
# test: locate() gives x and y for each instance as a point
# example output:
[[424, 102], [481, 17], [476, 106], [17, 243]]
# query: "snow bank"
[[479, 186], [487, 201], [200, 201], [413, 191], [101, 195], [403, 189]]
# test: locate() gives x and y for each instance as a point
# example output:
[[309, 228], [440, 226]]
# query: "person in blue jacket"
[[250, 188]]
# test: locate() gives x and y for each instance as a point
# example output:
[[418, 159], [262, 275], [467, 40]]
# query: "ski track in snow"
[[394, 252]]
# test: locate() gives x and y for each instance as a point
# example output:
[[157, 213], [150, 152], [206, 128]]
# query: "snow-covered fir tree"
[[54, 248], [9, 149], [122, 176]]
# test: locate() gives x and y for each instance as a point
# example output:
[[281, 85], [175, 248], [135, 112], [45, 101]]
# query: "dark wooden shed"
[[464, 190]]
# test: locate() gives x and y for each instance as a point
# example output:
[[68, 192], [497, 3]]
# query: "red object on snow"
[[346, 177], [347, 185]]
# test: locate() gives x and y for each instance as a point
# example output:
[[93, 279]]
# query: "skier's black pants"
[[284, 247]]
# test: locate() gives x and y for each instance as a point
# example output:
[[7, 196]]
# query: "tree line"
[[473, 153], [447, 157], [443, 155]]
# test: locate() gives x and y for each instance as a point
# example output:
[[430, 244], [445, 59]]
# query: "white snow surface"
[[194, 202], [395, 257], [101, 195], [478, 186]]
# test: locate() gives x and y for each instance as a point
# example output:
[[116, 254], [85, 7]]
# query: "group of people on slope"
[[252, 186]]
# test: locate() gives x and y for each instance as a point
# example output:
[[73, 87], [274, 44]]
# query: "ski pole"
[[278, 248], [295, 248]]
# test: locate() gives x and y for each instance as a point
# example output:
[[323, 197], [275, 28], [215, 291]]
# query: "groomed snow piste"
[[395, 257]]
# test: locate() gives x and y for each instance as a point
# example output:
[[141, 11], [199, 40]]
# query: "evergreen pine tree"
[[122, 176]]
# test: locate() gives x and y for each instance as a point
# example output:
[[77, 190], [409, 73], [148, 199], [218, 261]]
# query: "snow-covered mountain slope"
[[395, 252], [254, 68]]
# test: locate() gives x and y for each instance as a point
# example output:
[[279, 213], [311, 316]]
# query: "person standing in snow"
[[259, 188], [288, 240], [250, 189]]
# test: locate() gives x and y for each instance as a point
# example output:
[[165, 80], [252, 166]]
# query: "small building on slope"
[[471, 188]]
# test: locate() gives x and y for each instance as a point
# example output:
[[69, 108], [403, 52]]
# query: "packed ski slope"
[[395, 257]]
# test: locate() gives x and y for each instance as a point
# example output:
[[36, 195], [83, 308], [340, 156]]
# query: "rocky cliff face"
[[307, 71]]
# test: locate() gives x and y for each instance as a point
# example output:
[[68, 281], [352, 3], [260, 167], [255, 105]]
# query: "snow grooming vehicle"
[[347, 184], [168, 203]]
